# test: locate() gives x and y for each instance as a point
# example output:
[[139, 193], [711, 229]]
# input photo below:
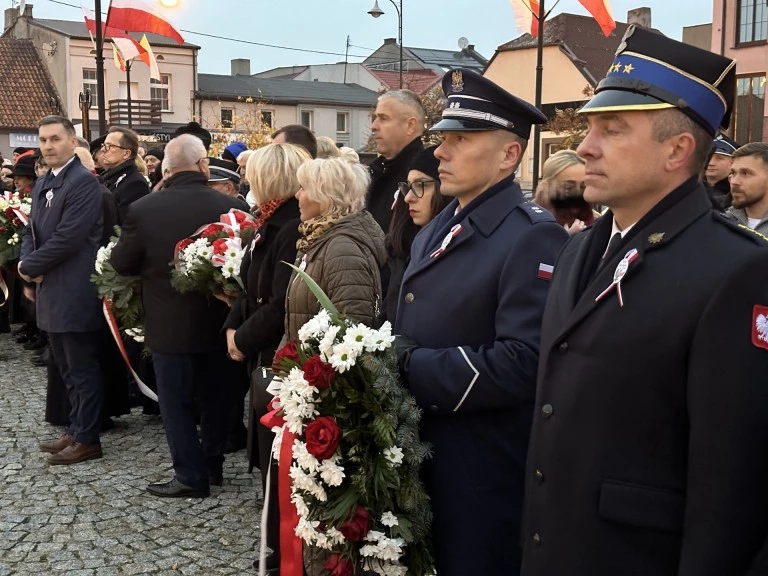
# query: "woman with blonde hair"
[[326, 148], [254, 327], [562, 191]]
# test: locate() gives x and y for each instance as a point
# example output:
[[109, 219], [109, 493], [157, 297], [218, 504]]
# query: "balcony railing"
[[143, 112]]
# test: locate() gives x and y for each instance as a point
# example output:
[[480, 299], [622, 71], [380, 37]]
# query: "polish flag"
[[545, 271], [137, 16], [526, 16], [148, 57], [106, 32], [129, 48], [601, 11]]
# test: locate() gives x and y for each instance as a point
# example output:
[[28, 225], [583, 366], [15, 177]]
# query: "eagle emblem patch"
[[760, 326], [457, 81]]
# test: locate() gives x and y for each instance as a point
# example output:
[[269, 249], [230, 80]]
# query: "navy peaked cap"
[[477, 104]]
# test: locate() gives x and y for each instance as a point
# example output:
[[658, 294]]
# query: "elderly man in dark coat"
[[648, 450], [470, 309], [57, 253], [182, 330]]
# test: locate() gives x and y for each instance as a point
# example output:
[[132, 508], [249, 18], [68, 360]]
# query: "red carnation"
[[240, 216], [337, 565], [184, 244], [357, 527], [16, 222], [211, 230], [318, 373], [288, 353], [219, 246], [248, 225], [9, 213], [323, 437]]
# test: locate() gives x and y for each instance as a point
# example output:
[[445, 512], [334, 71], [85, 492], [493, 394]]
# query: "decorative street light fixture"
[[376, 12]]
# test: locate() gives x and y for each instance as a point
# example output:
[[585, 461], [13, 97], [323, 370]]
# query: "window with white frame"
[[160, 91], [227, 117], [267, 118], [89, 83], [342, 122], [307, 118]]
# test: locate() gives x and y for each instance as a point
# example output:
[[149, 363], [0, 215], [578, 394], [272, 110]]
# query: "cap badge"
[[457, 81], [627, 36]]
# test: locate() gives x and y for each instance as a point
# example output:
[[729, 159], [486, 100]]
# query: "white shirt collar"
[[615, 228], [56, 171]]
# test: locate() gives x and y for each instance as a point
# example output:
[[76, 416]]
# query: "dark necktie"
[[612, 245]]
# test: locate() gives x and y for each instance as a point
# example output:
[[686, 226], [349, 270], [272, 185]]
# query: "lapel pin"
[[446, 241], [618, 275], [656, 237], [48, 198]]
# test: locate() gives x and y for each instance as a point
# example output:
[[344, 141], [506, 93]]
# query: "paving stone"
[[96, 518]]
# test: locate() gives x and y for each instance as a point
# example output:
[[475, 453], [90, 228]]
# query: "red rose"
[[357, 527], [337, 565], [323, 437], [211, 230], [184, 244], [219, 246], [240, 216], [287, 353], [318, 373], [248, 225], [16, 222], [9, 213]]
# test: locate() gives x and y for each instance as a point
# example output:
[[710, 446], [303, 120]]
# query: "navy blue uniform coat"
[[60, 243], [475, 312], [650, 435]]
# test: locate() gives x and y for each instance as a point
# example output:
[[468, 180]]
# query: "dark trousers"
[[76, 355], [260, 401], [184, 383]]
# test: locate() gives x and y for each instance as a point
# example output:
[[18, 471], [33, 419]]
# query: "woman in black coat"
[[256, 321]]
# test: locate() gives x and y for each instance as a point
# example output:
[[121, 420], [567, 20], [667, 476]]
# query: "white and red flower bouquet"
[[14, 215], [347, 443], [209, 261]]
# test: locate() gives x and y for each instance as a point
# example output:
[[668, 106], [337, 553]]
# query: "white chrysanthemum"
[[394, 455], [303, 458], [307, 530], [383, 548], [277, 443], [327, 342], [358, 335], [102, 256], [307, 483], [316, 327], [334, 536], [344, 356], [136, 334], [231, 266], [385, 568], [389, 519], [380, 339], [301, 506], [331, 473]]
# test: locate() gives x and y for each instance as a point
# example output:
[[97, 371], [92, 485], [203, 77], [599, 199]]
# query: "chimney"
[[390, 40], [640, 17], [241, 67], [10, 17]]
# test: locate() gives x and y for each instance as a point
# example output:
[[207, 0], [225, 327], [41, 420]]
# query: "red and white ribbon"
[[21, 216], [115, 330], [618, 276], [446, 241], [3, 289]]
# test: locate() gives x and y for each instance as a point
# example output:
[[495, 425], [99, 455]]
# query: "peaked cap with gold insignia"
[[653, 72]]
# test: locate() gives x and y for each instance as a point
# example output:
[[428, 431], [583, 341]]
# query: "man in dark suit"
[[182, 330], [57, 253], [122, 177], [469, 315], [649, 442]]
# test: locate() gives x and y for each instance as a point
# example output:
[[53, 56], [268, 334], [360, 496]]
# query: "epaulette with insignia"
[[536, 213], [734, 224]]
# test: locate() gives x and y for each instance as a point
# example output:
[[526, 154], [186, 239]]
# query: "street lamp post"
[[376, 12]]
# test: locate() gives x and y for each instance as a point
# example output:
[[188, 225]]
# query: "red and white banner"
[[137, 16], [601, 11]]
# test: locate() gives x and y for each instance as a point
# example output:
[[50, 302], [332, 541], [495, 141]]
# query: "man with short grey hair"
[[397, 126], [182, 330]]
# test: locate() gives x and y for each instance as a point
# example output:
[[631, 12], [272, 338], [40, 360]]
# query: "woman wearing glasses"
[[419, 201]]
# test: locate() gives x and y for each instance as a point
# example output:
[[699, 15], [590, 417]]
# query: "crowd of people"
[[588, 364]]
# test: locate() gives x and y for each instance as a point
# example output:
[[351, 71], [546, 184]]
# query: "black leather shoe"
[[41, 359], [23, 338], [175, 489], [215, 479], [272, 561], [36, 344]]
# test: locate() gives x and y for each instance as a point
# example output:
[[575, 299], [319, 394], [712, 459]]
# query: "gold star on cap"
[[628, 69], [616, 67], [656, 237]]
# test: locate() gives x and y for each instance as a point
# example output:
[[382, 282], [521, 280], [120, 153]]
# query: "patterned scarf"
[[265, 211], [313, 229]]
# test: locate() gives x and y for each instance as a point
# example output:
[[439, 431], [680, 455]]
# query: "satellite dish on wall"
[[463, 43]]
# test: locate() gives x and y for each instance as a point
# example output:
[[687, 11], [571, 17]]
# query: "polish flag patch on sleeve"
[[760, 326], [545, 271]]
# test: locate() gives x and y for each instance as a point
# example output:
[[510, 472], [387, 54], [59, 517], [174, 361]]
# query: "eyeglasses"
[[107, 147], [417, 187]]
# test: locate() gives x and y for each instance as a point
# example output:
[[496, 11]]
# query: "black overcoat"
[[650, 435]]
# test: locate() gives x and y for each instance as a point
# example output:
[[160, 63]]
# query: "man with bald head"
[[182, 330], [397, 127]]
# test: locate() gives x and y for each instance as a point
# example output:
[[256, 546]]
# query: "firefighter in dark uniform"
[[469, 317], [649, 449]]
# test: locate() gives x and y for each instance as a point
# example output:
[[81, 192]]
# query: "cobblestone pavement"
[[95, 518]]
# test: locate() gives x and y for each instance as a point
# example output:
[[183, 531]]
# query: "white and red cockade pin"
[[545, 271], [446, 241], [618, 276]]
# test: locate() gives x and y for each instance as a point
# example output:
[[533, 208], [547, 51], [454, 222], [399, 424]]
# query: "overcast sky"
[[324, 25]]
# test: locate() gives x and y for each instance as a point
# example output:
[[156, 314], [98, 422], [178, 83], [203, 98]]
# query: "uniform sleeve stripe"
[[471, 384]]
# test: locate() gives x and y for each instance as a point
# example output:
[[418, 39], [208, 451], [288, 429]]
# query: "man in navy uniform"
[[718, 170], [649, 442], [469, 316]]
